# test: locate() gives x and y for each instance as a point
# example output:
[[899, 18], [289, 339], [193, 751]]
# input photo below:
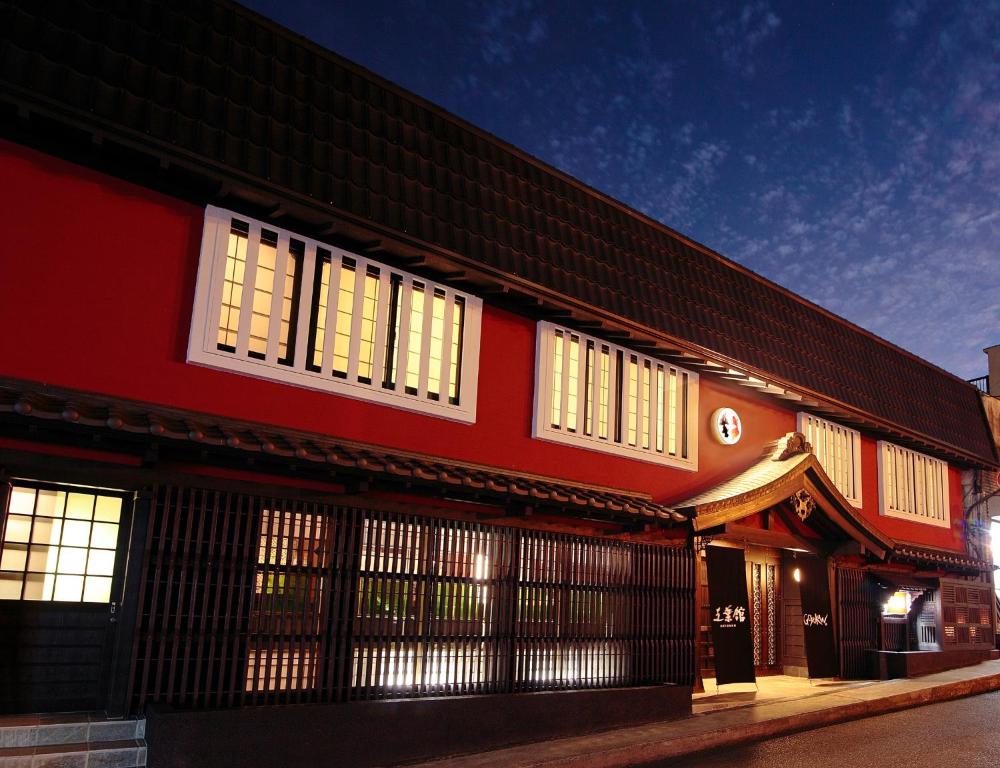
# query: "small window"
[[59, 544], [912, 486], [272, 304], [596, 395], [839, 452]]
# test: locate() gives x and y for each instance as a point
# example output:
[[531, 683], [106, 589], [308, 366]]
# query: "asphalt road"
[[963, 733]]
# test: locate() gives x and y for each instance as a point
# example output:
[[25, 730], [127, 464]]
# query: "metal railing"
[[982, 383]]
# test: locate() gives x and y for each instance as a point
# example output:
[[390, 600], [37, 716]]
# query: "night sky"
[[848, 151]]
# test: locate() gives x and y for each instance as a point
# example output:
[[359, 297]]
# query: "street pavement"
[[731, 719], [955, 733]]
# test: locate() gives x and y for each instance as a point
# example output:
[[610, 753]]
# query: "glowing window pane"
[[321, 290], [369, 315], [47, 530], [104, 535], [97, 590], [51, 503], [10, 586], [345, 315], [76, 533], [436, 350], [645, 404], [660, 416], [72, 560], [80, 506], [108, 509], [22, 501], [68, 588], [38, 586], [588, 392], [672, 415], [260, 318], [43, 559], [633, 399], [416, 338], [557, 367], [572, 383], [290, 304], [101, 562], [14, 557], [232, 291], [602, 421], [18, 528]]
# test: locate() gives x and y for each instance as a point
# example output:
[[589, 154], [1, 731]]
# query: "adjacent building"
[[312, 393]]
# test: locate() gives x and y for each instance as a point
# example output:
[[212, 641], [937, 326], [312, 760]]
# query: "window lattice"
[[601, 396], [838, 450], [913, 486], [276, 305]]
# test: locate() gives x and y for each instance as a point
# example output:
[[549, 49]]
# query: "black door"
[[62, 568]]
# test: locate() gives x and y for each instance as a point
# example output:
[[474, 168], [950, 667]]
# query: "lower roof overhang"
[[787, 475], [131, 422]]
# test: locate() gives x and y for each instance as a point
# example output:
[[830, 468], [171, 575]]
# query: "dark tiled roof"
[[30, 400], [210, 82], [920, 555]]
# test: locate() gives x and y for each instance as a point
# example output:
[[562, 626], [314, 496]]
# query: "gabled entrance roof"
[[788, 472]]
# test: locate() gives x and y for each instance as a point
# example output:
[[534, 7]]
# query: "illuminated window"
[[289, 588], [839, 452], [898, 604], [365, 330], [631, 404], [912, 486], [59, 544]]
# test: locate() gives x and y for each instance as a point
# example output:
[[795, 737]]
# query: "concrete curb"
[[638, 754], [643, 748]]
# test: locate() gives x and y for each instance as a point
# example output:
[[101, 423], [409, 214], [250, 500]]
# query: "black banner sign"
[[817, 619], [729, 615]]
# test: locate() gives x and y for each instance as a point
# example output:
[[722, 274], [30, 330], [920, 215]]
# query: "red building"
[[313, 393]]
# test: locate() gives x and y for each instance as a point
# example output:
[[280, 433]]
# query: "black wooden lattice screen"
[[248, 599]]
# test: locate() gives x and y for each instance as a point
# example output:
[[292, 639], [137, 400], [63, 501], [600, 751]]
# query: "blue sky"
[[848, 151]]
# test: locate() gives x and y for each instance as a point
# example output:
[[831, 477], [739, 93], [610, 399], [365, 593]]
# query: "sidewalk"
[[738, 716]]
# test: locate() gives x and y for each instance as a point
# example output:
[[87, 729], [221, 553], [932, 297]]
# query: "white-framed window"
[[912, 486], [839, 452], [597, 395], [273, 304]]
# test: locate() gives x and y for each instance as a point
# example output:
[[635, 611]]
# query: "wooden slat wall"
[[858, 620], [52, 656], [251, 600]]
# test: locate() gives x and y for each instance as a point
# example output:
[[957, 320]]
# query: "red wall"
[[98, 282]]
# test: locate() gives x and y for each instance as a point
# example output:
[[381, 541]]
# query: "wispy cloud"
[[738, 36]]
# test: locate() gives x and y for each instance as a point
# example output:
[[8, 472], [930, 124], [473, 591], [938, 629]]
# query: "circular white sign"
[[727, 426]]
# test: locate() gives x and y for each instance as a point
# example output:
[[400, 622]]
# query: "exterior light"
[[797, 575]]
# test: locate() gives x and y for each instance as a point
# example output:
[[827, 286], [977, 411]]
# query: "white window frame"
[[542, 428], [902, 492], [203, 347], [838, 449]]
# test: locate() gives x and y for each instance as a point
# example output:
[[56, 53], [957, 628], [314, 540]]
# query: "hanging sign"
[[729, 616], [817, 618], [727, 427]]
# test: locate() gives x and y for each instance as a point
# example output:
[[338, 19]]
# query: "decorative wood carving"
[[795, 444]]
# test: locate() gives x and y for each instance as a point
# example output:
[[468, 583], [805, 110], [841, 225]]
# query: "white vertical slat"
[[381, 326], [446, 334], [354, 345], [303, 350], [425, 341], [249, 278], [277, 299], [333, 294], [564, 390], [222, 225], [581, 383], [856, 445], [656, 408], [613, 413], [403, 361]]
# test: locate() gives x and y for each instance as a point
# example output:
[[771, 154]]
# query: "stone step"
[[71, 741], [129, 753]]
